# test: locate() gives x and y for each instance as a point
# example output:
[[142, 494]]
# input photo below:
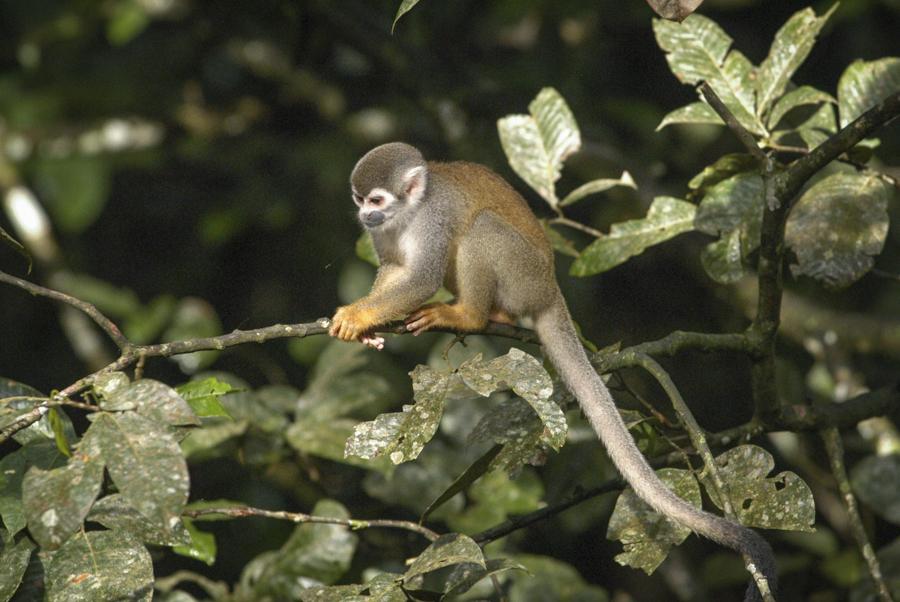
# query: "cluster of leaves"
[[840, 222]]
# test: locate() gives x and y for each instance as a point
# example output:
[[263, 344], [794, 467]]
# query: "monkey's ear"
[[414, 182]]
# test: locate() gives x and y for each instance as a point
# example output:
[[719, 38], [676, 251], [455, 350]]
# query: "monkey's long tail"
[[557, 334]]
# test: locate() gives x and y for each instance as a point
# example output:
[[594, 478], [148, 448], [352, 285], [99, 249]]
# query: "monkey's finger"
[[374, 342], [419, 325]]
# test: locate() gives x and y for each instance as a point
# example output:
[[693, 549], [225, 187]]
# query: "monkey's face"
[[380, 204]]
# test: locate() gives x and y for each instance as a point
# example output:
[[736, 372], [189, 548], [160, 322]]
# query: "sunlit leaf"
[[537, 144], [838, 226], [155, 400], [514, 425], [789, 49], [876, 480], [597, 186], [13, 562], [697, 51], [724, 167], [667, 217], [145, 463], [402, 435], [780, 502], [696, 112], [804, 95], [527, 378], [722, 259], [100, 565], [327, 438], [11, 410], [57, 501], [818, 127], [674, 10], [465, 576], [447, 550], [114, 512], [646, 535], [866, 83], [405, 7]]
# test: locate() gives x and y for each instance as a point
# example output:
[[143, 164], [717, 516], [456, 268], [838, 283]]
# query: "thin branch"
[[802, 417], [105, 323], [565, 221], [526, 520], [733, 124], [299, 517]]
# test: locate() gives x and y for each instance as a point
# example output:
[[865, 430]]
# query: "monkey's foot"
[[352, 323], [440, 315]]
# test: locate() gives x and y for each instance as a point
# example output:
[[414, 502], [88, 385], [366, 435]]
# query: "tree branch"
[[740, 132], [299, 517]]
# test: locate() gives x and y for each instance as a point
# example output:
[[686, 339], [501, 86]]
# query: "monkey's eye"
[[357, 199], [376, 200]]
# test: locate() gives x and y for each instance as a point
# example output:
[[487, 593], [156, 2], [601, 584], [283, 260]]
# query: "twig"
[[105, 323], [834, 448], [740, 132], [299, 517], [565, 221]]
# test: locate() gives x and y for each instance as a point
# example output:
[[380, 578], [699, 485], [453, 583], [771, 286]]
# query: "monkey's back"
[[485, 190]]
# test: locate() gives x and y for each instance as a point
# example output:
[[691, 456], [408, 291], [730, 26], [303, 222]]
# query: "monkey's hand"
[[353, 323]]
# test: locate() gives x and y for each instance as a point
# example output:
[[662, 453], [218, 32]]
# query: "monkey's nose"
[[373, 218]]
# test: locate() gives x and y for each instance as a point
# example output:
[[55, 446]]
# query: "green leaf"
[[789, 49], [327, 438], [597, 186], [514, 425], [876, 480], [780, 502], [447, 550], [866, 83], [58, 425], [560, 243], [402, 435], [722, 259], [114, 512], [203, 396], [819, 127], [537, 144], [145, 463], [465, 576], [128, 19], [405, 7], [16, 246], [646, 535], [697, 51], [734, 204], [551, 579], [100, 565], [837, 226], [193, 318], [75, 189], [666, 218], [13, 409], [154, 400], [317, 552], [496, 497], [204, 442], [463, 481], [365, 249], [13, 467], [696, 112], [527, 378], [724, 167], [57, 501], [111, 300], [202, 545], [13, 562], [804, 95]]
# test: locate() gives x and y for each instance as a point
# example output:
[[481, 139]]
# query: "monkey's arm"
[[398, 290]]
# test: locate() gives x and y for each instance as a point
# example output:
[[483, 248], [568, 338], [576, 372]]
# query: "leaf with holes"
[[646, 535], [838, 226], [866, 83], [537, 144], [13, 562], [722, 260], [780, 502], [734, 204]]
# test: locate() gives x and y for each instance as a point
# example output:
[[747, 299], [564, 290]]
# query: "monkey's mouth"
[[373, 219]]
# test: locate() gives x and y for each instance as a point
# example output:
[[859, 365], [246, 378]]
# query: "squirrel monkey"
[[462, 226]]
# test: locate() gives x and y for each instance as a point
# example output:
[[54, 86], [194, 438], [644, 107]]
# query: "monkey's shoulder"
[[476, 189]]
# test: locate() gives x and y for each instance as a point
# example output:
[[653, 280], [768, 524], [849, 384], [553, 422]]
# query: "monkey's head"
[[388, 180]]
